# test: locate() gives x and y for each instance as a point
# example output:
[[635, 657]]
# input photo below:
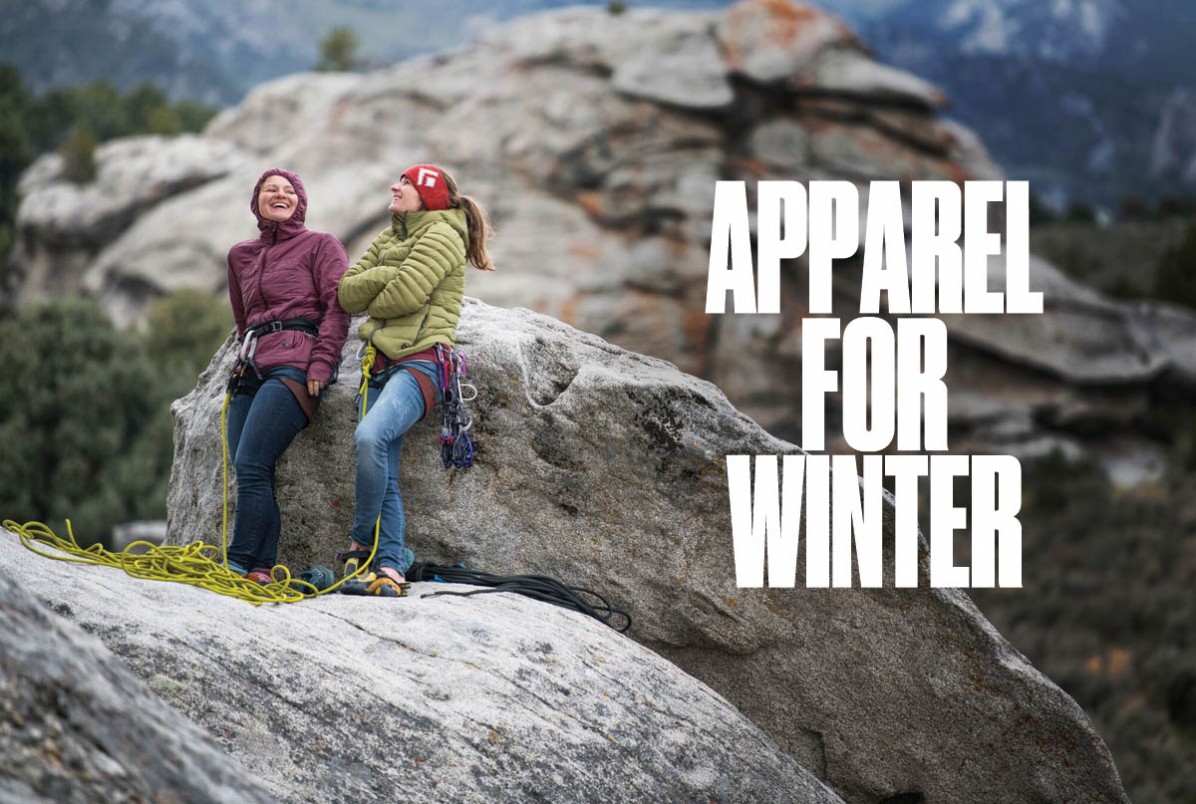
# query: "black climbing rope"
[[537, 587]]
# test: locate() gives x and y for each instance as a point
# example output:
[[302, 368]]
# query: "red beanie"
[[430, 183]]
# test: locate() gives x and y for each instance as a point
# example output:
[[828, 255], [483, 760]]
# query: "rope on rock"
[[537, 587], [195, 564]]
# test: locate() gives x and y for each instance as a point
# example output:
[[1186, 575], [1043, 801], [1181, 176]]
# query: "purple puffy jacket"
[[290, 272]]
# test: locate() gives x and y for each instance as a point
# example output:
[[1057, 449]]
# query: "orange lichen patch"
[[677, 247], [568, 311], [815, 123], [956, 173], [591, 202], [731, 54], [753, 166], [1121, 661], [695, 329], [790, 20], [779, 24], [584, 249], [1114, 664]]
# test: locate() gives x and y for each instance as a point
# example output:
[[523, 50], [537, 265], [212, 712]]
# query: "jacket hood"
[[292, 225]]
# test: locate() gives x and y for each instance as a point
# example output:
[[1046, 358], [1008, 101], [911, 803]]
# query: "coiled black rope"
[[537, 587]]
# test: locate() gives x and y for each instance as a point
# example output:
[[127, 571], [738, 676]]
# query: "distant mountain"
[[1089, 99], [216, 51]]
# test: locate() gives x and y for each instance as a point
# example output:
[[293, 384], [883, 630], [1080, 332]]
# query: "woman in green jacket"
[[410, 281]]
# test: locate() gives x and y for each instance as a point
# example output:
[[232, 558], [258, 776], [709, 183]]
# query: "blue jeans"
[[263, 419], [393, 405]]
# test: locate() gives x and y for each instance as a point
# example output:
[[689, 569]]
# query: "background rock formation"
[[495, 698], [605, 469], [595, 141]]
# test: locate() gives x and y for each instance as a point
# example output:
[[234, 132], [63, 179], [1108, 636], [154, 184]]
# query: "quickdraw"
[[456, 447]]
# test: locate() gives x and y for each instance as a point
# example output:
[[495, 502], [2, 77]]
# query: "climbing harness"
[[249, 344], [456, 447], [537, 587]]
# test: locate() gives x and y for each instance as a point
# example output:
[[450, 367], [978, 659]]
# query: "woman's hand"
[[314, 387]]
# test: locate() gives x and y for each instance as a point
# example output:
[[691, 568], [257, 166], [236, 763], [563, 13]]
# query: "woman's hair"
[[475, 217]]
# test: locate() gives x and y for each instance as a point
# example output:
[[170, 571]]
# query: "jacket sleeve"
[[409, 287], [330, 265], [361, 283], [234, 297]]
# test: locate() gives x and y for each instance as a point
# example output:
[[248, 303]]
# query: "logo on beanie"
[[427, 178]]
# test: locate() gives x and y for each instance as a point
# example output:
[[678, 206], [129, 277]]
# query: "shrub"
[[74, 422], [1175, 277], [338, 51], [79, 157], [183, 331]]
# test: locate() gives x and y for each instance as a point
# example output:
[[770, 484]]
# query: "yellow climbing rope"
[[195, 564]]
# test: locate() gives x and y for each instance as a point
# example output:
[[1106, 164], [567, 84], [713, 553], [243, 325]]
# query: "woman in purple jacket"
[[282, 286]]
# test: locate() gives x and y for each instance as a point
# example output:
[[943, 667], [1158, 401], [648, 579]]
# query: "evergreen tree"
[[1175, 277], [338, 51], [15, 156], [183, 331], [163, 120], [141, 104], [79, 156], [79, 398]]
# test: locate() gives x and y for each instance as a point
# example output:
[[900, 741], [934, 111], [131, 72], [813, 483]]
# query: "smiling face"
[[404, 198], [277, 200]]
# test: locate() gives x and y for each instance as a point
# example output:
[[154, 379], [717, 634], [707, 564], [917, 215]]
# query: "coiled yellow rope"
[[197, 563], [194, 564]]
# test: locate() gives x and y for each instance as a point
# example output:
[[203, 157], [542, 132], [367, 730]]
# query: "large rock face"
[[75, 724], [606, 469], [495, 698]]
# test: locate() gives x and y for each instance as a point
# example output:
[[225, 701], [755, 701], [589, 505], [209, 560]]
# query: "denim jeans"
[[392, 407], [263, 419]]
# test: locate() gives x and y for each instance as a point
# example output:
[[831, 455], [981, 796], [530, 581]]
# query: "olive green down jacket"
[[410, 280]]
